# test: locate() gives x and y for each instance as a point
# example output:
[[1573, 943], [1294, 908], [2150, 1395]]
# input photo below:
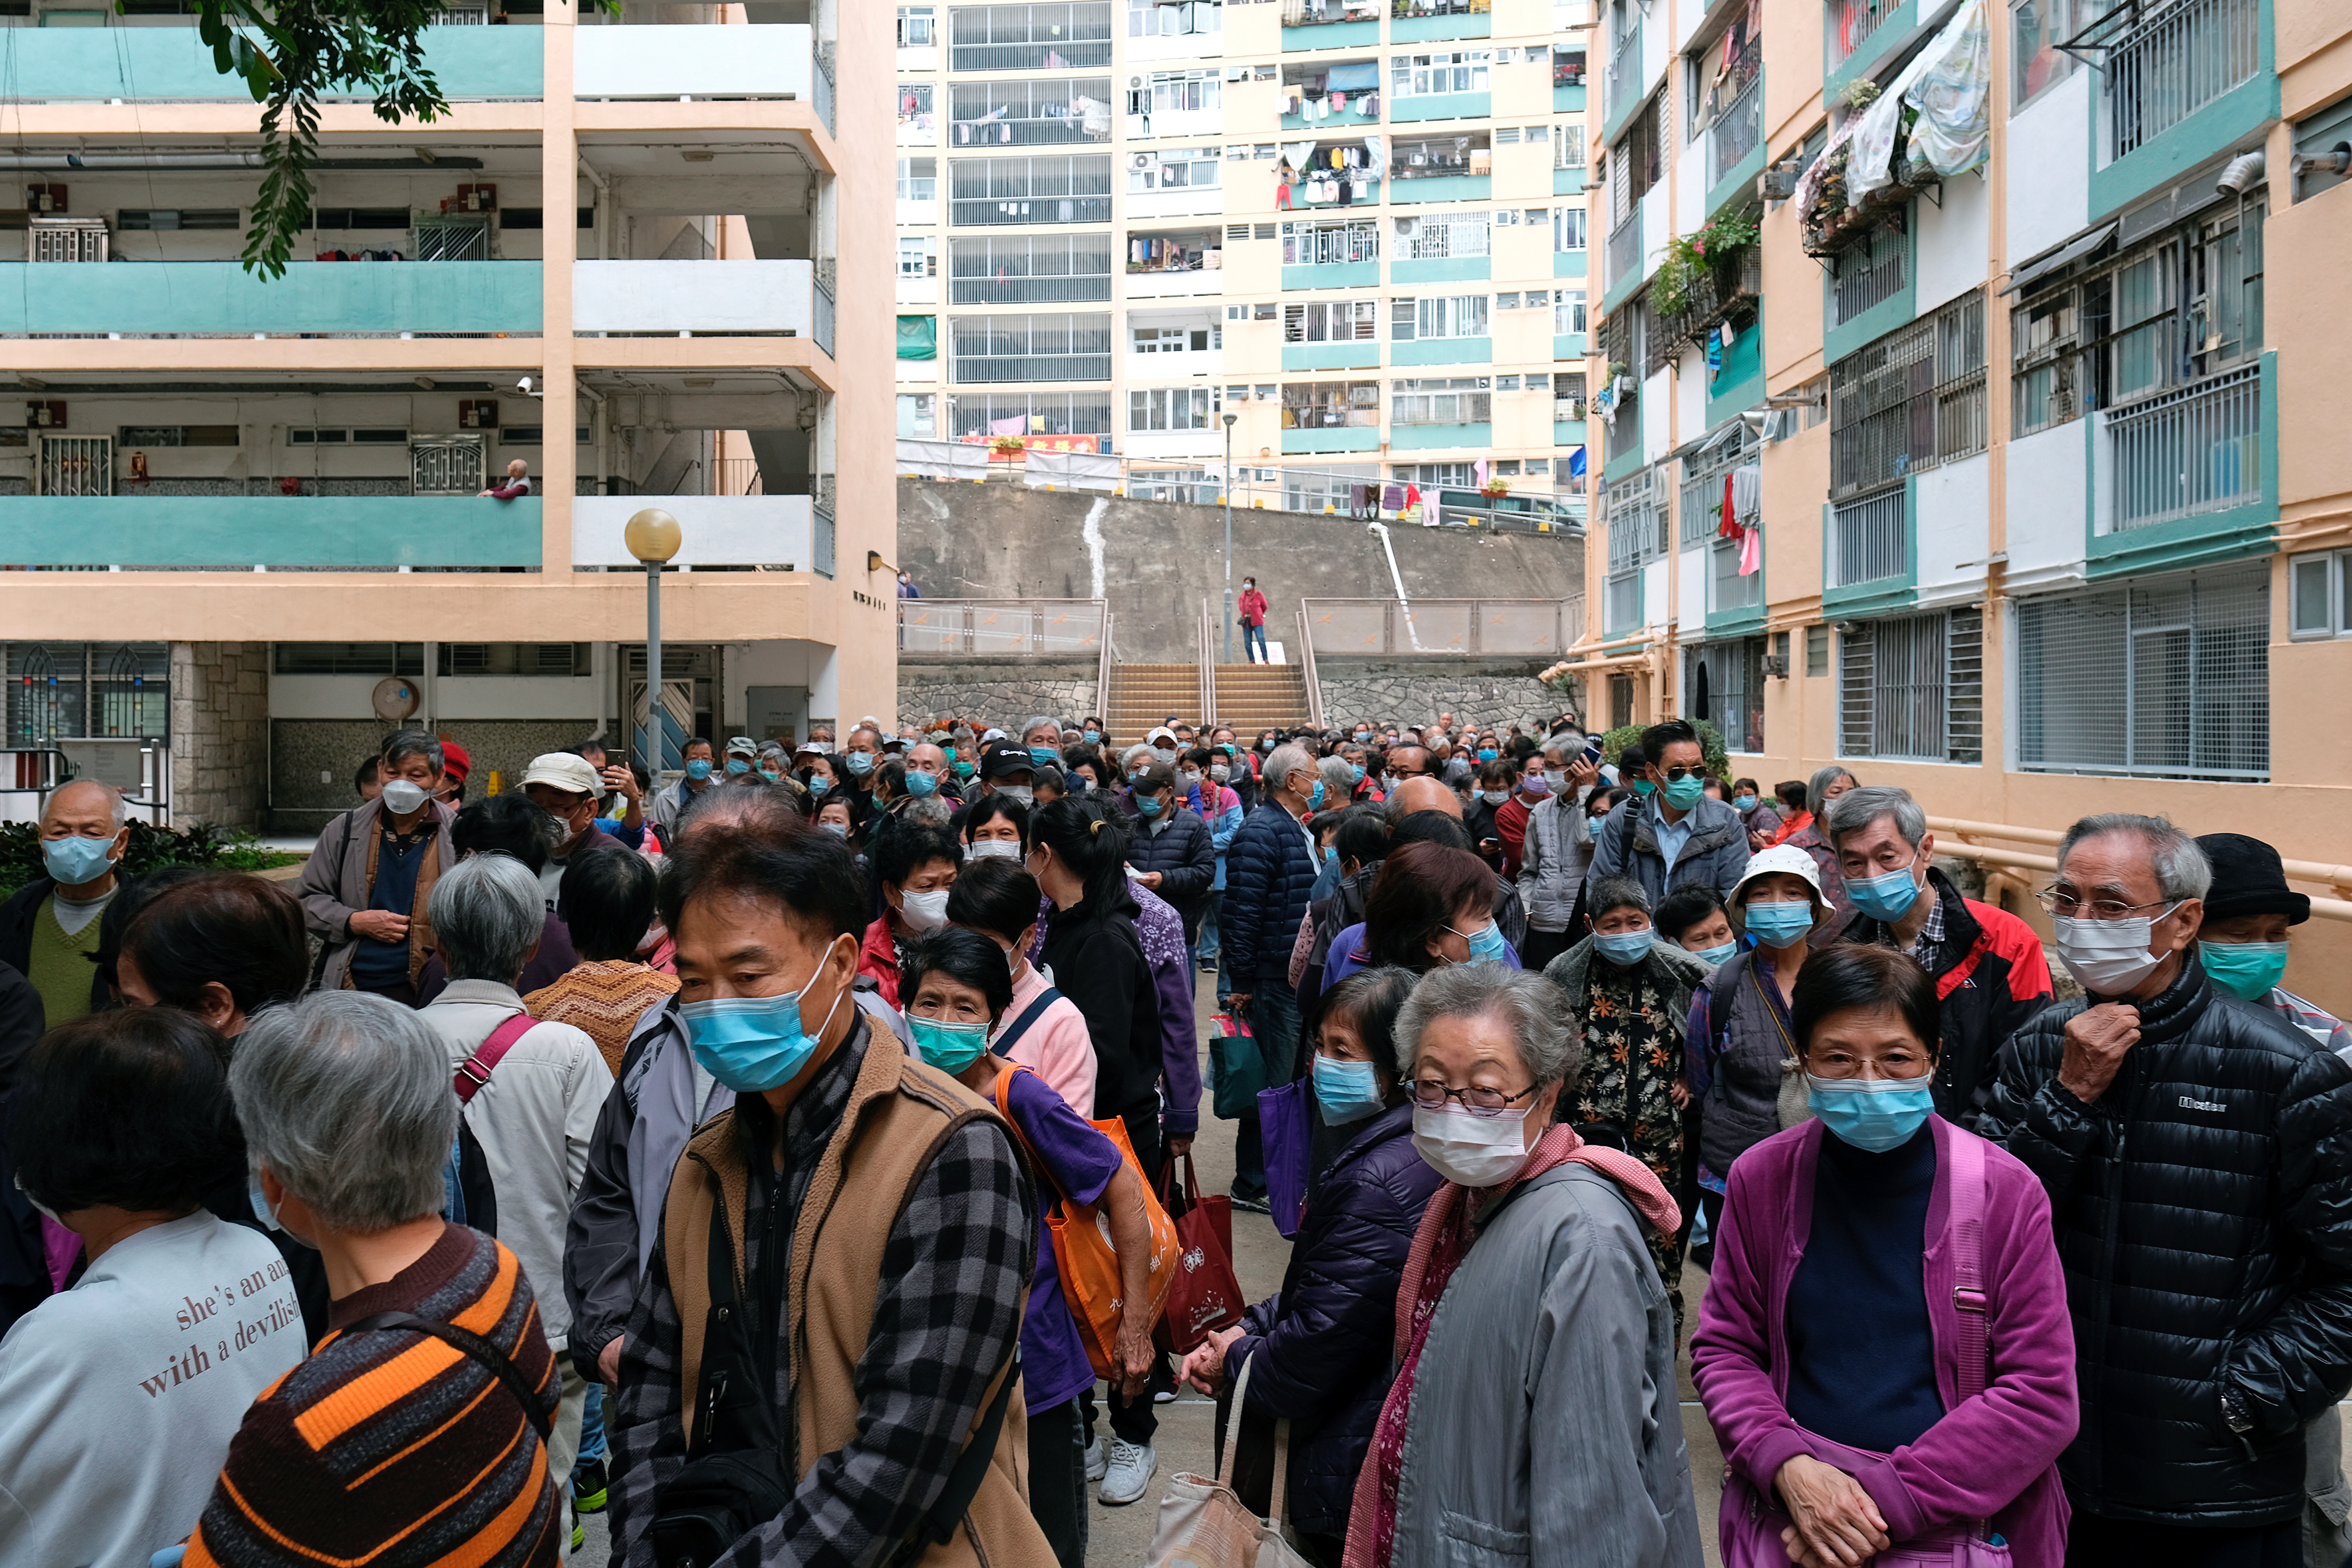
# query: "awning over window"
[[2073, 250], [1361, 78], [918, 337]]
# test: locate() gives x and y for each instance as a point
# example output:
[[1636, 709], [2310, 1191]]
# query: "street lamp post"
[[1229, 536], [653, 537]]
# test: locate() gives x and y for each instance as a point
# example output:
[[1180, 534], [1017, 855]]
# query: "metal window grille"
[[1070, 188], [2165, 679], [2193, 451], [1871, 271], [1449, 235], [1723, 683], [72, 689], [1634, 510], [1029, 269], [80, 465], [1850, 23], [1912, 400], [1029, 38], [1704, 474], [1726, 590], [1073, 347], [1870, 538], [1311, 244], [1817, 650], [66, 240], [1040, 412], [1913, 686], [466, 241], [1028, 111], [1622, 602], [1331, 321], [2181, 58], [446, 465]]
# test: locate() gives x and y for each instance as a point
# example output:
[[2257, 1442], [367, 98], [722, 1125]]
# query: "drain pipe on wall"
[[1398, 578]]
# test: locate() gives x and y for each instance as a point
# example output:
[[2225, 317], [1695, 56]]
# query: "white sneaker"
[[1129, 1472], [1096, 1460]]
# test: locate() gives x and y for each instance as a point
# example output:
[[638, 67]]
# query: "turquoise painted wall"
[[1432, 30], [1442, 269], [1567, 432], [313, 296], [1332, 356], [146, 64], [1568, 346], [1894, 30], [1330, 35], [1739, 383], [1352, 438], [1444, 350], [1441, 188], [240, 532], [2233, 117], [1567, 181], [1443, 106], [1333, 275], [1426, 438], [1571, 263], [1340, 124], [2205, 539], [1567, 99]]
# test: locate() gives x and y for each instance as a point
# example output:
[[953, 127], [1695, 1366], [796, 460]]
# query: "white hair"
[[1289, 758], [1549, 1047], [487, 912], [117, 807]]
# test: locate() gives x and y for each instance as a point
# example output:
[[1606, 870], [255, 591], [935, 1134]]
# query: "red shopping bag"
[[1207, 1296]]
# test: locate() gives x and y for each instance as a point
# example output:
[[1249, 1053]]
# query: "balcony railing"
[[1871, 271], [1625, 249], [2175, 59], [1726, 589], [1737, 130], [1340, 628], [1870, 539], [1037, 628], [673, 61], [1851, 22], [991, 211], [723, 298], [1624, 71], [220, 299], [1622, 602], [762, 531], [1081, 287], [2193, 451]]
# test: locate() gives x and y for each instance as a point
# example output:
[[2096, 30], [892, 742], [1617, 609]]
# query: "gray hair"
[[1338, 781], [487, 911], [1043, 721], [1858, 807], [1285, 760], [1818, 785], [929, 810], [1530, 1005], [118, 809], [413, 743], [2182, 872], [1560, 748], [1607, 893], [345, 1096], [1127, 759]]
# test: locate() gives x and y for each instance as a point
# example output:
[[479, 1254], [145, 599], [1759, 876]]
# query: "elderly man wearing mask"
[[2213, 1310], [50, 925], [366, 888], [565, 787]]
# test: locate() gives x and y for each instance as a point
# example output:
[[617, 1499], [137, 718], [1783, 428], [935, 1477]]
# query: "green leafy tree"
[[1713, 755]]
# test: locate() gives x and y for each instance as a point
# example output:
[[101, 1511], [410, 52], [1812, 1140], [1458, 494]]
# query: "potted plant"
[[1494, 489], [1008, 447]]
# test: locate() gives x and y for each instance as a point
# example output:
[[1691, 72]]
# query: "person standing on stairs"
[[1253, 608]]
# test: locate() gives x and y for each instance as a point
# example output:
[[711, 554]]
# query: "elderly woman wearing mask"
[[1805, 830], [1866, 1258], [1533, 1419]]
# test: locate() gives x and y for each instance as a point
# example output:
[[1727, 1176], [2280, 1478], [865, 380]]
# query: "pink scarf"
[[1439, 1245]]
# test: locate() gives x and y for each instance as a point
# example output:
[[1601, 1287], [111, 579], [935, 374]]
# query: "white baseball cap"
[[1786, 857], [566, 770]]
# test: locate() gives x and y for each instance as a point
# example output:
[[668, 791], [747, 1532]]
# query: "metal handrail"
[[1205, 627], [2340, 876], [1307, 671], [1102, 667]]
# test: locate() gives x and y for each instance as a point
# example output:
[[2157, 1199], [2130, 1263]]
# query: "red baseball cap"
[[455, 761]]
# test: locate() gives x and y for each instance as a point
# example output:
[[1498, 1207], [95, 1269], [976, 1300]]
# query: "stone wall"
[[1500, 692], [220, 732], [1004, 691]]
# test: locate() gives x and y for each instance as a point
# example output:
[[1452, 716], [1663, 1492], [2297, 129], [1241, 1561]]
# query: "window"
[[2317, 602], [1723, 683], [332, 659], [1817, 650], [1311, 243], [1913, 686], [1446, 70], [1635, 510], [1053, 34], [1507, 136], [918, 179], [1173, 408], [1176, 92], [1182, 169], [1330, 404], [1870, 271], [1506, 301], [1912, 400], [2036, 61], [917, 256], [182, 435], [1568, 231], [1568, 147], [1173, 18], [1070, 188], [2045, 335], [1568, 312], [1442, 235], [1456, 316], [1434, 475], [1331, 321], [915, 115], [1175, 339], [557, 659], [917, 27], [1032, 414], [1029, 269], [1030, 112], [1441, 400], [1073, 347], [128, 218], [508, 435], [2165, 678]]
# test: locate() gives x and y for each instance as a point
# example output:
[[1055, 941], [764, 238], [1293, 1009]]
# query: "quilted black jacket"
[[2204, 1211], [1270, 871], [1185, 859]]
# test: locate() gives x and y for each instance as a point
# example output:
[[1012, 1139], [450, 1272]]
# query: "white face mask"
[[2109, 957], [1470, 1151], [401, 796], [1022, 793], [925, 910], [994, 850]]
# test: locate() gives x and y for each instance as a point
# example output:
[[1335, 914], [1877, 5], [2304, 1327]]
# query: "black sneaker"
[[588, 1488], [1250, 1205]]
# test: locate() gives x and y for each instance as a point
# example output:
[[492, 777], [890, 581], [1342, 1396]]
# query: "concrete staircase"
[[1143, 695], [1253, 697]]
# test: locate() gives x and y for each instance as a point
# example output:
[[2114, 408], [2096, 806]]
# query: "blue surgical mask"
[[1487, 944], [1344, 1091], [698, 769], [1487, 754], [1743, 804], [1624, 948], [754, 1044], [1873, 1113], [1355, 772], [1094, 737], [1494, 796], [1644, 788], [1362, 736], [254, 1195], [922, 784], [1721, 954], [838, 829], [2249, 971], [75, 860], [1146, 804], [1778, 924], [1315, 797], [1884, 898], [1330, 853], [1044, 756], [860, 762], [1683, 793], [950, 1047], [738, 766]]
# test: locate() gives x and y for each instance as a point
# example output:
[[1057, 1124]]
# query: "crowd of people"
[[777, 1157]]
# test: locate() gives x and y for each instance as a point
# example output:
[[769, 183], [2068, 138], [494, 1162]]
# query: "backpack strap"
[[475, 1347], [1969, 1294], [1021, 1025], [476, 1070]]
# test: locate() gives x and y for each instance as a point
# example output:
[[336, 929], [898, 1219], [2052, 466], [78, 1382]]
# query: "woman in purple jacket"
[[1885, 1349]]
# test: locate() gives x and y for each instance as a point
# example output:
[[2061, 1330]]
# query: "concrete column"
[[559, 173], [220, 733]]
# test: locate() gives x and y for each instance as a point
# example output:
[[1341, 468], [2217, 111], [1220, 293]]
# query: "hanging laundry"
[[1338, 101], [1006, 426], [1751, 552], [1392, 498], [1748, 494], [1726, 522]]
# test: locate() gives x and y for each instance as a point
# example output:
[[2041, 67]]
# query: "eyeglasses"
[[1675, 775], [2066, 906], [1843, 1068], [1431, 1094]]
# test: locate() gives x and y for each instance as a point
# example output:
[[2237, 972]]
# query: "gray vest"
[[1742, 1107]]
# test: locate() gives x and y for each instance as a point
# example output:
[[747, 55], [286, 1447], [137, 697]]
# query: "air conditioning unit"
[[1140, 161], [1776, 183], [1406, 227], [1135, 84]]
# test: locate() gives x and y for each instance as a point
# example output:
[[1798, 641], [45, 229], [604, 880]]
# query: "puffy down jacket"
[[1269, 872], [2203, 1210], [1182, 853]]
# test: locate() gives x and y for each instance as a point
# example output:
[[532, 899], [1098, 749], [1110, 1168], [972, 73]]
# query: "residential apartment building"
[[1357, 227], [1964, 373], [240, 517]]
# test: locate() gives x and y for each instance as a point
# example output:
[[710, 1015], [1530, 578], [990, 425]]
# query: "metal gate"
[[466, 241], [78, 466], [66, 240], [446, 465]]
